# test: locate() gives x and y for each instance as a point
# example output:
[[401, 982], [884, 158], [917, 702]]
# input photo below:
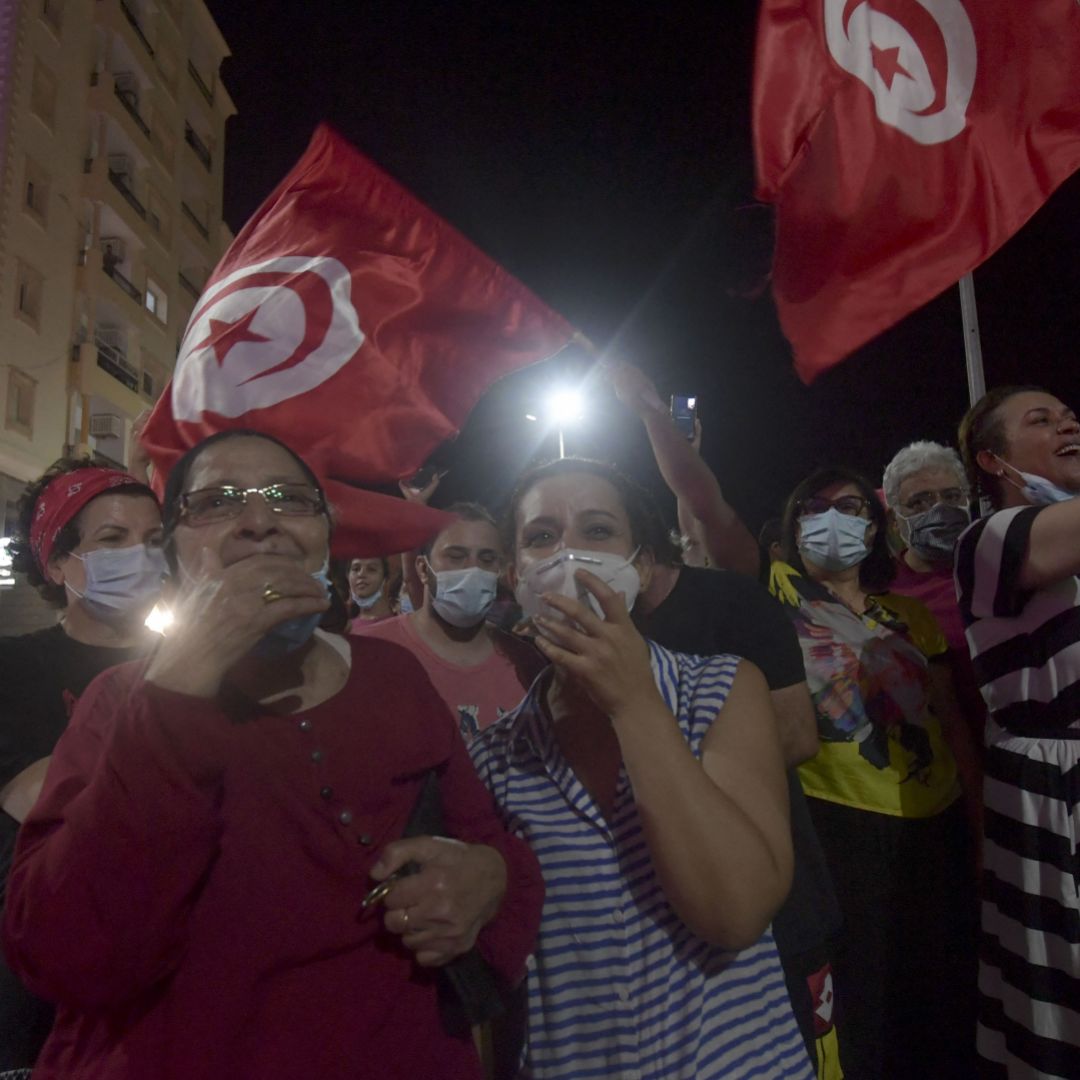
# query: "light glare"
[[565, 406], [160, 619]]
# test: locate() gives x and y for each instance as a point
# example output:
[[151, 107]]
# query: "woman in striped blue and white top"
[[651, 786], [1016, 579]]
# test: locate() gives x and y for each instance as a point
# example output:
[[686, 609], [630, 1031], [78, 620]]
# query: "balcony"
[[112, 270], [189, 286], [202, 229], [202, 152], [131, 103], [133, 19], [197, 79], [110, 359], [120, 182]]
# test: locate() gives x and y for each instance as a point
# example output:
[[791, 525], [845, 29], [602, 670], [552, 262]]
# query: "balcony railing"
[[119, 181], [190, 214], [189, 286], [122, 281], [202, 152], [112, 360], [130, 102], [133, 19], [197, 79]]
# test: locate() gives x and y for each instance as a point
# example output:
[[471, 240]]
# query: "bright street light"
[[565, 406]]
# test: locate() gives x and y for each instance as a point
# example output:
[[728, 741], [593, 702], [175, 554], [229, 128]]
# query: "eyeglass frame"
[[832, 505], [906, 510], [184, 516]]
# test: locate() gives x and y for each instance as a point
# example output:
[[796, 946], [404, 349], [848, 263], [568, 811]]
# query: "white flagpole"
[[969, 313]]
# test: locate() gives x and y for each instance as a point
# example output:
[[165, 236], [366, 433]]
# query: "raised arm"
[[1052, 553], [727, 540], [717, 829]]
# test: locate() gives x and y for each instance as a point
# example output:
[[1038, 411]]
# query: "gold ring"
[[270, 594]]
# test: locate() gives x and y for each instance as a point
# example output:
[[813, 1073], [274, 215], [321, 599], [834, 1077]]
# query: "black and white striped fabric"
[[1025, 647]]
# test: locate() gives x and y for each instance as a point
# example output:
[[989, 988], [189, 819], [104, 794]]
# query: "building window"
[[157, 214], [36, 191], [28, 289], [52, 11], [43, 94], [157, 303], [19, 415]]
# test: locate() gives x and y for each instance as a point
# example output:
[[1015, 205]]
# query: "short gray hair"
[[915, 457]]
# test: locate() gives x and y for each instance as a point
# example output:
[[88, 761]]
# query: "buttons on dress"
[[305, 725], [345, 817], [326, 792], [316, 756], [364, 839]]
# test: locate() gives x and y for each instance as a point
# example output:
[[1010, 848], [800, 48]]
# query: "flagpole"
[[969, 314]]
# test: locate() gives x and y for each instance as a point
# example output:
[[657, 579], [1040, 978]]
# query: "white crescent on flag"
[[266, 333], [893, 58]]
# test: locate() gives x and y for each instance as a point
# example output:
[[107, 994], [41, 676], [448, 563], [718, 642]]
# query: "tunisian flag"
[[359, 328], [903, 142]]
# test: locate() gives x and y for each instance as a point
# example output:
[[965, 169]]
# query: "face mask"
[[1037, 489], [832, 540], [367, 603], [933, 534], [289, 635], [462, 597], [556, 575], [121, 583]]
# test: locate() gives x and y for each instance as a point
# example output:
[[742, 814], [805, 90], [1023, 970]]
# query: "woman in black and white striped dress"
[[1016, 579]]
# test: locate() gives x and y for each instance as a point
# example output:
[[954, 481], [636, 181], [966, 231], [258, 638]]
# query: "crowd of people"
[[564, 793]]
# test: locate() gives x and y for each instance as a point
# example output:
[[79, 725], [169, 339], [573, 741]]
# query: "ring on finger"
[[270, 594], [405, 919]]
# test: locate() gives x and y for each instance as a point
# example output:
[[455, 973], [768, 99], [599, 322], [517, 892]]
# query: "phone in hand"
[[421, 478], [683, 410]]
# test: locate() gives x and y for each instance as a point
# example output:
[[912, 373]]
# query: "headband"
[[64, 496]]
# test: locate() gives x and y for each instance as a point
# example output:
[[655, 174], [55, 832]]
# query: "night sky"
[[601, 153]]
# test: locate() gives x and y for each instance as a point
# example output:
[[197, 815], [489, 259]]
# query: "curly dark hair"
[[69, 537], [878, 569], [982, 428], [647, 528]]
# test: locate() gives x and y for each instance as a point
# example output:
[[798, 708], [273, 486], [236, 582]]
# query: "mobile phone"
[[683, 409], [422, 477]]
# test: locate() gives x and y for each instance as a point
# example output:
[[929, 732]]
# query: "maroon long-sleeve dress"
[[188, 887]]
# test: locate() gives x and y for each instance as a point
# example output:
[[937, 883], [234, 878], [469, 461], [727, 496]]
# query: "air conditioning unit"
[[120, 164], [115, 247], [106, 426]]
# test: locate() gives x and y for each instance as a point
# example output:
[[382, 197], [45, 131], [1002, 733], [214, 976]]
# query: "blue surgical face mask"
[[1037, 489], [121, 583], [366, 603], [462, 597], [291, 634], [832, 540]]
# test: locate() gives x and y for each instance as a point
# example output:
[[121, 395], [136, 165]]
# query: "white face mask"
[[121, 583], [556, 575], [832, 540], [463, 597], [366, 603], [1037, 489]]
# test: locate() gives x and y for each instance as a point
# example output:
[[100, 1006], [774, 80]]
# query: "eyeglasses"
[[221, 503], [927, 500], [852, 505]]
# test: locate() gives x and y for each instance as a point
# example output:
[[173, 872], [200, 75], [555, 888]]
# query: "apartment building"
[[112, 139]]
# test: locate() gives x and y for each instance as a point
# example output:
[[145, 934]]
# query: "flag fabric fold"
[[903, 142], [351, 322]]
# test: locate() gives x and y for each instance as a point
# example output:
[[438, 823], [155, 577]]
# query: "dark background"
[[602, 153]]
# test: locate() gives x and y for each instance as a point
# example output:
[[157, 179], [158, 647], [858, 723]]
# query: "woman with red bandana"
[[89, 539]]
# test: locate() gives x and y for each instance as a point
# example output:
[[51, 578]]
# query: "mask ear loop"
[[1003, 475]]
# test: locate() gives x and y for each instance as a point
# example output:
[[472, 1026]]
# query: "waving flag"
[[903, 142], [350, 321]]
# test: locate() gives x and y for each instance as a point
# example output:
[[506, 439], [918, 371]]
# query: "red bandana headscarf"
[[62, 499]]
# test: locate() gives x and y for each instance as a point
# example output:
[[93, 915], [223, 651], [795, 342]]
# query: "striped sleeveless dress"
[[618, 986], [1025, 648]]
